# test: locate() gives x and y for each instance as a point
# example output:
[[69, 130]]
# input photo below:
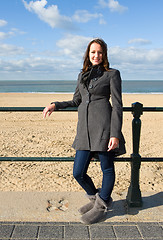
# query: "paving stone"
[[150, 230], [102, 232], [51, 232], [46, 239], [123, 223], [6, 231], [160, 238], [127, 232], [74, 223], [22, 239], [7, 223], [4, 238], [130, 239], [25, 231], [53, 223], [76, 232]]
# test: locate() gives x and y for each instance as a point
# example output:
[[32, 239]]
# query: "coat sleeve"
[[117, 106], [75, 102]]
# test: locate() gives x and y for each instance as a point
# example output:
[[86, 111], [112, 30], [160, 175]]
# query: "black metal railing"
[[133, 197]]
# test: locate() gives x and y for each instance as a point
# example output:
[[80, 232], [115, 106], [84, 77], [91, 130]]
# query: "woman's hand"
[[113, 143], [48, 110]]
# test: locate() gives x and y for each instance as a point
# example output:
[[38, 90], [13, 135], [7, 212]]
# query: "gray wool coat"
[[99, 112]]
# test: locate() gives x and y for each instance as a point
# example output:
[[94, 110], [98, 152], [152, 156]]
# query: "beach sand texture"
[[27, 134]]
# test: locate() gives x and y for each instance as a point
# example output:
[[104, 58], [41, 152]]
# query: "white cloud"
[[133, 63], [113, 5], [50, 14], [136, 56], [139, 41], [38, 68], [63, 64], [4, 35], [73, 45], [136, 63], [11, 50], [84, 16], [102, 21], [2, 22], [17, 31], [13, 32]]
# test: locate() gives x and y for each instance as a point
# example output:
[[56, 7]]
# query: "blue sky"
[[46, 39]]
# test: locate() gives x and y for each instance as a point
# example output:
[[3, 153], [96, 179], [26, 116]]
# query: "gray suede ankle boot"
[[89, 205], [98, 213]]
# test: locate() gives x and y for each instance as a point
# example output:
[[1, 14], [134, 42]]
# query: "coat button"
[[94, 79], [90, 86]]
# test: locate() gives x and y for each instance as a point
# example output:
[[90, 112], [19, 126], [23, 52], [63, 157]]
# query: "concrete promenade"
[[54, 215]]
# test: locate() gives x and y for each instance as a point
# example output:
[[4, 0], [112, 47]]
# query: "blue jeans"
[[81, 164]]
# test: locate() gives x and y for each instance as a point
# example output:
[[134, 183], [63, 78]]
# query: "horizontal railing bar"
[[30, 109], [70, 159], [40, 109], [37, 159], [21, 109], [53, 159], [152, 109], [154, 159]]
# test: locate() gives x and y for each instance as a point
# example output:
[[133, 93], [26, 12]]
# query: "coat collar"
[[93, 72]]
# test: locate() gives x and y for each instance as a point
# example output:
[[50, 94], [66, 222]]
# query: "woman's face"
[[95, 54]]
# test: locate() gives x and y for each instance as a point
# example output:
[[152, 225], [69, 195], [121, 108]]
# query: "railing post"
[[134, 194]]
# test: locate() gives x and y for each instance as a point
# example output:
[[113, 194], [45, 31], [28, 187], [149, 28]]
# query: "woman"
[[98, 129]]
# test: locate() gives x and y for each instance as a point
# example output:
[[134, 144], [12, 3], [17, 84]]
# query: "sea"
[[68, 86]]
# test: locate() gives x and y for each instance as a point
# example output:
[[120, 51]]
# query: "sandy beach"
[[28, 134]]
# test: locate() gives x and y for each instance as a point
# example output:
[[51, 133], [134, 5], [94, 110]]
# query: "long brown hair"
[[105, 62]]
